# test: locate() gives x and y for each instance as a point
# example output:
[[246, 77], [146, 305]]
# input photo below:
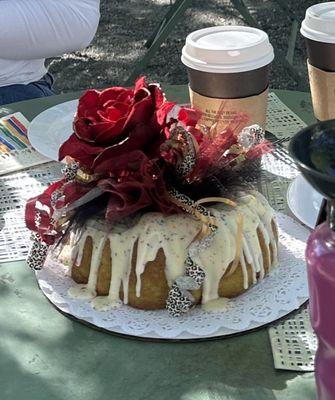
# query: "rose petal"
[[157, 94], [140, 83], [89, 99], [81, 151], [142, 109], [106, 164], [83, 129], [110, 94], [109, 132], [89, 119], [125, 198], [88, 103], [126, 97], [137, 183], [107, 104], [114, 112], [101, 133], [139, 138]]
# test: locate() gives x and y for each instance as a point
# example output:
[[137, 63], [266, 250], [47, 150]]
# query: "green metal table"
[[47, 356]]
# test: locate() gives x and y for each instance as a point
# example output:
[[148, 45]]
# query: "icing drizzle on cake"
[[173, 234]]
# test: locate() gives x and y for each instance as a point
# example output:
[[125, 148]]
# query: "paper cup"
[[228, 70], [318, 28]]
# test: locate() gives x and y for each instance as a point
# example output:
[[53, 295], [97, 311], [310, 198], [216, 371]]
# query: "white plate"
[[49, 130], [304, 201], [283, 291]]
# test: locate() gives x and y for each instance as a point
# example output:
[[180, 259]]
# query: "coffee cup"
[[318, 29], [228, 71]]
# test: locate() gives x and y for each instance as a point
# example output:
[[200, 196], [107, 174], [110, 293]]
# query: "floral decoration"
[[132, 146]]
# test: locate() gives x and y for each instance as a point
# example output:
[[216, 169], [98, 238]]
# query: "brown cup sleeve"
[[322, 85], [224, 111]]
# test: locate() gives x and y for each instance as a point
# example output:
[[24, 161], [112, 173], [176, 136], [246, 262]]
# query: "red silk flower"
[[117, 135], [129, 118], [136, 183]]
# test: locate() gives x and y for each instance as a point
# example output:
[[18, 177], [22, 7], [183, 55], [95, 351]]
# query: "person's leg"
[[13, 93]]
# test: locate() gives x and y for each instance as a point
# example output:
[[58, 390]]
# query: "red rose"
[[131, 118], [117, 135]]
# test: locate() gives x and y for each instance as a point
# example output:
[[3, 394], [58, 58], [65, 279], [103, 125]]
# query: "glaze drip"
[[173, 234]]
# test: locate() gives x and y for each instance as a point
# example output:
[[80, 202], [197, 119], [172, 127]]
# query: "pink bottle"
[[320, 256], [313, 149]]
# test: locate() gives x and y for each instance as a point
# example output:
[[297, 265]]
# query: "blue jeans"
[[13, 93]]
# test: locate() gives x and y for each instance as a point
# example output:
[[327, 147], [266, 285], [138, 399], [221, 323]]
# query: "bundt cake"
[[137, 260]]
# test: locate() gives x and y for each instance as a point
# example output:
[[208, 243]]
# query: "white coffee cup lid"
[[319, 23], [227, 49]]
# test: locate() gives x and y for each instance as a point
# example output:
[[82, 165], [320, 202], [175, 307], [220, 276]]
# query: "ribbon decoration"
[[47, 215], [180, 300]]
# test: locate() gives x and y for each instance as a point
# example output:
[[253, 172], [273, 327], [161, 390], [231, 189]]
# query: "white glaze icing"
[[152, 231], [220, 304]]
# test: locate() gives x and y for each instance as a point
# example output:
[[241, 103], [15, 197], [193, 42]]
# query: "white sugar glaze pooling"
[[173, 234]]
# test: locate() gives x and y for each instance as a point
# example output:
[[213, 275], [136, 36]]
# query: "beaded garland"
[[70, 171], [37, 252]]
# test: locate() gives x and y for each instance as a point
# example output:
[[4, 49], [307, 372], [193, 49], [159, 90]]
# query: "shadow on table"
[[26, 368], [45, 355], [234, 368]]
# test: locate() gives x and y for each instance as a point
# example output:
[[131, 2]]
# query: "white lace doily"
[[284, 290]]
